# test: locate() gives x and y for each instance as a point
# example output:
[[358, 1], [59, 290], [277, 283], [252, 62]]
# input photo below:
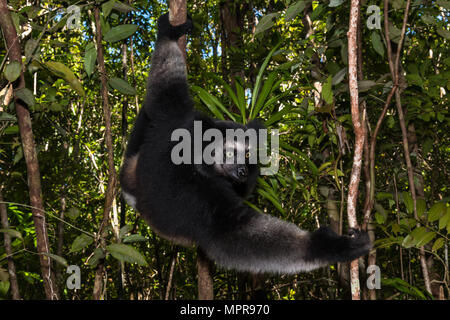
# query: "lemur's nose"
[[242, 172]]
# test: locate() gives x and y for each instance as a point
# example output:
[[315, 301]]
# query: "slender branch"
[[359, 136], [30, 154]]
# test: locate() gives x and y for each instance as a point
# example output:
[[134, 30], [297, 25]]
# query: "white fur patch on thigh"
[[130, 199]]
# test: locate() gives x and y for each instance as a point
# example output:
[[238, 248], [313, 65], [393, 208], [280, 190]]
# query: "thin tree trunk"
[[31, 159], [177, 16], [359, 136], [8, 249], [110, 189]]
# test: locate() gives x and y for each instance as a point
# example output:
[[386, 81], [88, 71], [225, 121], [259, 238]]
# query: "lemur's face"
[[236, 160]]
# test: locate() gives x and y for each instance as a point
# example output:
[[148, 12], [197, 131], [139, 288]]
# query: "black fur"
[[196, 204]]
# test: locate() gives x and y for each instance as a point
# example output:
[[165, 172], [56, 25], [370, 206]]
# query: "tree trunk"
[[359, 136], [30, 155]]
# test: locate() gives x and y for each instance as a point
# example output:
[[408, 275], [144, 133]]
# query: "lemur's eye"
[[229, 154], [247, 155]]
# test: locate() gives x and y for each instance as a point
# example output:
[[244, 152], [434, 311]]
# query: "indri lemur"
[[203, 204]]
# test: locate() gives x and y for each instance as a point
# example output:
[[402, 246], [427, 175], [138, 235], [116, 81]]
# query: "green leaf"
[[57, 258], [439, 243], [380, 214], [81, 242], [120, 32], [259, 78], [26, 96], [443, 3], [294, 10], [12, 233], [437, 211], [266, 89], [122, 86], [4, 287], [424, 239], [339, 76], [444, 33], [4, 116], [107, 7], [212, 103], [94, 259], [12, 71], [124, 230], [421, 206], [266, 22], [335, 3], [90, 57], [126, 253], [365, 85], [377, 44], [327, 93], [11, 130], [445, 221], [272, 199], [62, 71], [72, 213], [134, 238], [408, 201]]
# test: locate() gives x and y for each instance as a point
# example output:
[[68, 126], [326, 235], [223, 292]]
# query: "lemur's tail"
[[262, 243]]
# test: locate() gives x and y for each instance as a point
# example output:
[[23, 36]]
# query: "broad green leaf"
[[62, 71], [90, 57], [122, 86], [444, 33], [124, 230], [96, 256], [327, 92], [365, 85], [424, 239], [445, 221], [335, 3], [421, 206], [437, 211], [57, 258], [294, 10], [120, 32], [408, 242], [72, 213], [443, 3], [4, 116], [81, 242], [12, 71], [377, 44], [126, 253], [26, 96], [266, 22], [408, 201], [439, 243], [107, 7], [134, 238], [380, 214], [12, 233], [4, 288], [339, 76], [11, 130]]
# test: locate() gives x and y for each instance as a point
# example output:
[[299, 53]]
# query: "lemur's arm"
[[167, 82]]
